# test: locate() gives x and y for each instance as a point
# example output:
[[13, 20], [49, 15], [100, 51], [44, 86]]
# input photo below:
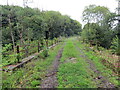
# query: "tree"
[[93, 34], [27, 24], [98, 15]]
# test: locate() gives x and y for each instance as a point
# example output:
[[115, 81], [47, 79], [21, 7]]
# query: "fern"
[[114, 46]]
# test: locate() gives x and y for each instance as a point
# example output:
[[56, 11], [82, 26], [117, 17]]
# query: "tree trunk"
[[119, 27], [11, 32], [22, 42]]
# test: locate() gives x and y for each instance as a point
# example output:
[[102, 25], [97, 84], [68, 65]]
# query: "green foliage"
[[106, 72], [101, 26], [30, 24], [91, 32], [97, 61], [67, 50], [30, 76], [22, 26], [93, 13], [45, 52], [6, 48], [35, 83], [115, 45]]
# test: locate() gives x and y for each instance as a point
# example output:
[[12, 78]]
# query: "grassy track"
[[75, 72], [32, 73], [108, 73], [79, 67]]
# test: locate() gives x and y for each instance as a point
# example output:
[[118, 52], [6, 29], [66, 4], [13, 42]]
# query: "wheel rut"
[[50, 80], [100, 80]]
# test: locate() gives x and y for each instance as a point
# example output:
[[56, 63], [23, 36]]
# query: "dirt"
[[50, 80], [100, 80], [71, 60]]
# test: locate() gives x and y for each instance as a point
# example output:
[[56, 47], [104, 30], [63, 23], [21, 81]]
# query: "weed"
[[73, 75], [31, 74], [97, 61], [35, 83]]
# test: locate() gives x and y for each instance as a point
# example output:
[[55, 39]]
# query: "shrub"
[[45, 52], [35, 83], [114, 47]]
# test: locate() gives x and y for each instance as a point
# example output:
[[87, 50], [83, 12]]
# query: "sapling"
[[45, 52]]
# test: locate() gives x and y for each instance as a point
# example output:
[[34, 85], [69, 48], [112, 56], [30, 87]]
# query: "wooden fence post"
[[18, 58], [38, 47], [55, 41], [42, 45], [52, 42], [47, 44], [47, 36]]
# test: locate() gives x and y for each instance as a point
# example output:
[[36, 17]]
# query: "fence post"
[[52, 42], [55, 40], [18, 58], [38, 47], [47, 43], [42, 45], [27, 52], [47, 36]]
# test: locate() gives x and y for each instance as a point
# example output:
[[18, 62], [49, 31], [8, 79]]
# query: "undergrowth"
[[31, 74], [108, 73]]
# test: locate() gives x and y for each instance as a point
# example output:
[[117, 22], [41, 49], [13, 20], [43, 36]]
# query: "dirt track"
[[100, 80], [51, 80]]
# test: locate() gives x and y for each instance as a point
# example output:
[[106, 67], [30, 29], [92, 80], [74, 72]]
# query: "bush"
[[45, 52], [35, 83], [114, 47]]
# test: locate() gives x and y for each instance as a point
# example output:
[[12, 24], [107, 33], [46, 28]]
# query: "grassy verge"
[[32, 73], [108, 73], [73, 71]]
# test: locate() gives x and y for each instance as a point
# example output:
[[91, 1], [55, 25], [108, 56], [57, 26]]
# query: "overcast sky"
[[72, 8]]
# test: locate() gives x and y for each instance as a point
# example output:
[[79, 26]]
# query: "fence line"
[[21, 53]]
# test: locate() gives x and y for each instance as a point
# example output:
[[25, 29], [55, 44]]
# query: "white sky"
[[72, 8]]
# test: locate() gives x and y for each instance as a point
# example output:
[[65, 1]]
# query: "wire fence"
[[17, 53]]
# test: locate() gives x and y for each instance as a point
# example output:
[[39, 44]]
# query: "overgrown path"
[[51, 80], [100, 80], [69, 65], [32, 73], [77, 69]]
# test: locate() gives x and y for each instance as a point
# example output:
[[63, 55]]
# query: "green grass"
[[73, 74], [73, 70], [67, 50], [32, 73], [108, 73]]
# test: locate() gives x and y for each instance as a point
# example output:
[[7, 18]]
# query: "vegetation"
[[73, 71], [30, 76], [97, 59], [101, 28], [26, 27], [80, 58], [27, 24]]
